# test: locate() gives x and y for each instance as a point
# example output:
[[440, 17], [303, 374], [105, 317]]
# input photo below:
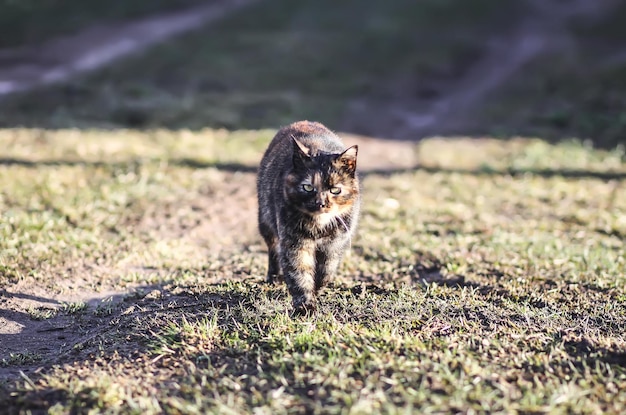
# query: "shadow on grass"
[[48, 331], [149, 332], [153, 327], [246, 168], [186, 162], [591, 353], [83, 328], [272, 63], [280, 61], [126, 329]]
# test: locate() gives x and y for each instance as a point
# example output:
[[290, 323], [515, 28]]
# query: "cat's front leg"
[[298, 263], [327, 259], [271, 240]]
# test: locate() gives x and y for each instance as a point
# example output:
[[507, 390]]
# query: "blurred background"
[[401, 69]]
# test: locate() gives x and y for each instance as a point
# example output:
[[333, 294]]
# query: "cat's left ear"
[[300, 154], [348, 158]]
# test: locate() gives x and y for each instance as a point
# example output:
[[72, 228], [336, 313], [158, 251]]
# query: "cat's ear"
[[300, 154], [347, 159]]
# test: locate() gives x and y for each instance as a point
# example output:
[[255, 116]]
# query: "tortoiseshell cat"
[[309, 200]]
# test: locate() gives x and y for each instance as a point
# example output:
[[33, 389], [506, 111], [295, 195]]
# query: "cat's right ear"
[[300, 154], [348, 159]]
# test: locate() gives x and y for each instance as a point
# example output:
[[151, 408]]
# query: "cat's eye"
[[335, 190], [307, 187]]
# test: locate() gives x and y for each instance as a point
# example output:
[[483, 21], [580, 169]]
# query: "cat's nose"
[[320, 203]]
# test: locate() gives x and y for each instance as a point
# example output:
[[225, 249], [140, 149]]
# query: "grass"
[[271, 63], [73, 308], [41, 313], [553, 102], [496, 285], [20, 359], [489, 279], [576, 92], [278, 61]]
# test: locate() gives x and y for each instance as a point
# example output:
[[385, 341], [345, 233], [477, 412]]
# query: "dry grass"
[[491, 279]]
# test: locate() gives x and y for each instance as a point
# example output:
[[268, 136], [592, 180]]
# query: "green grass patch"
[[20, 358], [271, 63], [84, 197], [41, 313], [554, 101], [489, 279], [73, 308]]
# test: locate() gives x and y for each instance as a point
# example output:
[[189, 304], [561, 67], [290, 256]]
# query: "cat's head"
[[322, 183]]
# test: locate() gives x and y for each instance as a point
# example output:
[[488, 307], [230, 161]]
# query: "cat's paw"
[[304, 309], [274, 279]]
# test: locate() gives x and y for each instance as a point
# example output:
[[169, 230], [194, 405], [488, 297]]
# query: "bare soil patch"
[[421, 107], [219, 220], [214, 225], [60, 59]]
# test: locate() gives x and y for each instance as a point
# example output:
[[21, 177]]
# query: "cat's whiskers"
[[296, 216], [340, 219], [343, 222]]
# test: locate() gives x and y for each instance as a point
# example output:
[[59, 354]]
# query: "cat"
[[309, 203]]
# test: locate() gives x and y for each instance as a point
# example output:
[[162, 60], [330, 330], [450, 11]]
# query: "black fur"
[[309, 201]]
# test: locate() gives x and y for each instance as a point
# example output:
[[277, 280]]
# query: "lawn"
[[272, 63], [487, 275], [480, 281]]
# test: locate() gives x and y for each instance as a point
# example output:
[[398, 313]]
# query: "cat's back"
[[313, 135]]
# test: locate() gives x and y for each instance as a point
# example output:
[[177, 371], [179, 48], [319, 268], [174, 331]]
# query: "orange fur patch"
[[308, 128]]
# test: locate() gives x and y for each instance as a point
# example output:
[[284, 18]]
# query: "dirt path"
[[61, 59], [407, 117], [542, 31], [204, 231]]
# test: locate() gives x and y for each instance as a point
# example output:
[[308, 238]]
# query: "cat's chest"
[[326, 227], [324, 220]]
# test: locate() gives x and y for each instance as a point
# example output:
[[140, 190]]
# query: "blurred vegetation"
[[274, 62], [280, 60], [34, 21], [578, 92]]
